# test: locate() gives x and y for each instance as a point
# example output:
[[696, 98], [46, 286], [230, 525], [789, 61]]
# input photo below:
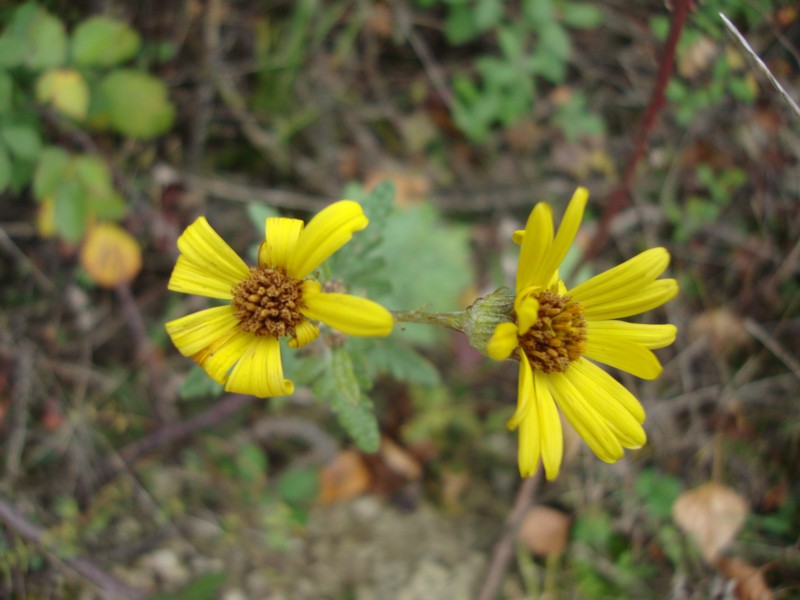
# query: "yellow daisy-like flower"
[[237, 344], [558, 333]]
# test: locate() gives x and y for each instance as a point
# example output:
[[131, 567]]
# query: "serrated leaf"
[[50, 171], [353, 409], [137, 104], [395, 357], [5, 169], [103, 42], [199, 385], [22, 140]]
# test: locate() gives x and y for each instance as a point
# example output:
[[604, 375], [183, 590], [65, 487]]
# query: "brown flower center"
[[268, 302], [559, 335]]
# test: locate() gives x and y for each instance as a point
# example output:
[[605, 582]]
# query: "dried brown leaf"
[[750, 584], [545, 531], [345, 477], [711, 514]]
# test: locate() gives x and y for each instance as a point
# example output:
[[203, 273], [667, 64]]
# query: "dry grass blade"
[[761, 66]]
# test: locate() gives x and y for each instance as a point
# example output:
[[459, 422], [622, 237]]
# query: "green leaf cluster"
[[79, 188], [533, 45], [82, 78]]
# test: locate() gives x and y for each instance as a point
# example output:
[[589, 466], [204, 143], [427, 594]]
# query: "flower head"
[[237, 344], [559, 334]]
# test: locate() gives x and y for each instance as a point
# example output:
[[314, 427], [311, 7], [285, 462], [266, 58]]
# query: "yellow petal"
[[280, 241], [259, 371], [649, 296], [525, 397], [567, 231], [503, 341], [623, 354], [624, 279], [612, 387], [345, 313], [527, 308], [584, 418], [627, 428], [552, 438], [218, 359], [207, 265], [535, 247], [649, 336], [304, 334], [328, 231], [196, 331], [518, 236]]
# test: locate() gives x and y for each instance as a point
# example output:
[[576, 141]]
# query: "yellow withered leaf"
[[110, 255]]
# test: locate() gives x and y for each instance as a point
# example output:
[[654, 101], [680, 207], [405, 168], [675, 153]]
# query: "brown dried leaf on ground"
[[545, 531], [345, 477], [750, 584], [711, 514]]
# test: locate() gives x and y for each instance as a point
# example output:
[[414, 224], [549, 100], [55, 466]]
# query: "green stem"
[[449, 320]]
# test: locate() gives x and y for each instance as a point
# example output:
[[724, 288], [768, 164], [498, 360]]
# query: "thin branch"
[[85, 568], [621, 195], [773, 345], [171, 433], [504, 549]]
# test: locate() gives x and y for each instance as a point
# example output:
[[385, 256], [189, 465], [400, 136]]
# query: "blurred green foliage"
[[81, 78], [709, 73], [534, 47]]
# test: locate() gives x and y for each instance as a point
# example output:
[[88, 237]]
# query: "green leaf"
[[6, 91], [353, 409], [103, 42], [12, 51], [460, 26], [137, 104], [23, 141], [251, 463], [199, 385], [298, 486], [205, 587], [580, 15], [259, 213], [5, 169], [395, 357], [70, 210], [39, 36], [50, 171], [658, 492], [66, 90]]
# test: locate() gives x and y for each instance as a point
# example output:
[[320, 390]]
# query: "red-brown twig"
[[85, 568], [621, 194], [504, 549]]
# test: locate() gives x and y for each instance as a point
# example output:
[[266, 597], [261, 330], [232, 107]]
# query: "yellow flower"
[[558, 333], [237, 344]]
